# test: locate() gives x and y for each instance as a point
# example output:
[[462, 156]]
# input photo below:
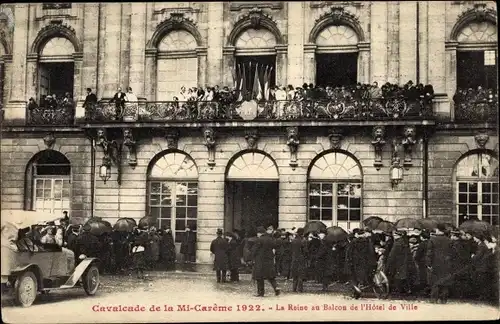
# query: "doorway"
[[336, 69], [246, 66], [55, 79], [250, 204], [476, 68]]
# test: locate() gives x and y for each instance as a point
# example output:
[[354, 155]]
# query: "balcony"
[[364, 110], [476, 106], [58, 115]]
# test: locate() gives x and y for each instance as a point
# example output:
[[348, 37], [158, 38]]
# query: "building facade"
[[207, 168]]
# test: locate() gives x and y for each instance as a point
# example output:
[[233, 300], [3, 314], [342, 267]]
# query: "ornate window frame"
[[253, 161]]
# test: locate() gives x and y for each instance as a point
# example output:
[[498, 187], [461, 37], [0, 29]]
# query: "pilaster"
[[378, 43], [90, 50], [407, 41], [310, 63], [393, 41], [112, 58], [137, 48], [215, 43], [295, 66], [436, 40]]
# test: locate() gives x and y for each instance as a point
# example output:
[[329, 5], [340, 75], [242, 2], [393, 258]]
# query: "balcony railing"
[[473, 107], [60, 115], [190, 111]]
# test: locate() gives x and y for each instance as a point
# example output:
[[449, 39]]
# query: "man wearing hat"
[[263, 256], [325, 261], [299, 260], [87, 243], [220, 247], [419, 257], [234, 257], [483, 261], [400, 265], [361, 261], [438, 263]]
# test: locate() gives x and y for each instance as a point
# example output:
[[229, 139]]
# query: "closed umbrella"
[[125, 225], [385, 226], [314, 226], [428, 224], [408, 223], [147, 221], [336, 234], [372, 222], [475, 227]]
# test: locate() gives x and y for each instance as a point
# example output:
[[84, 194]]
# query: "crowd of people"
[[52, 102], [478, 95]]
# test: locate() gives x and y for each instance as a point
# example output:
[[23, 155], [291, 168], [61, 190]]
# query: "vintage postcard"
[[249, 161]]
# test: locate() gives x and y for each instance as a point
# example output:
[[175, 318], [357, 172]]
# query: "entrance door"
[[56, 79], [248, 64], [336, 69], [250, 204]]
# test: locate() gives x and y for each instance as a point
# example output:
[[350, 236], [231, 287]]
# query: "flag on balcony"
[[242, 89], [234, 74], [267, 81], [257, 90]]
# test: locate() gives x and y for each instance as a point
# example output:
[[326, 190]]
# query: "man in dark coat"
[[119, 100], [87, 243], [399, 267], [419, 257], [299, 260], [313, 244], [167, 248], [220, 247], [234, 257], [90, 100], [438, 262], [483, 263], [188, 246], [325, 261], [361, 261], [263, 256], [460, 259], [286, 255]]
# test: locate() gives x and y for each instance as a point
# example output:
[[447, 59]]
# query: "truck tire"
[[25, 289], [91, 280]]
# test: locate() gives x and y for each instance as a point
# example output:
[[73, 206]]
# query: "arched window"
[[173, 192], [335, 183], [254, 166], [477, 187], [477, 55], [337, 56], [177, 64], [256, 38], [58, 46], [48, 181]]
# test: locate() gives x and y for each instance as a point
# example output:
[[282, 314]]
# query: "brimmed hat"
[[270, 228], [219, 231], [261, 229]]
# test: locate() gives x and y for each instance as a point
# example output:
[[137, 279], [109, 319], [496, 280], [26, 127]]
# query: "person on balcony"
[[291, 92], [183, 95], [32, 105], [375, 91], [119, 100], [90, 100]]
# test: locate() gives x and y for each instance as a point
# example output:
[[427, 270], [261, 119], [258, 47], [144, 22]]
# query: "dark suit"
[[234, 259], [264, 268], [299, 262], [438, 258], [119, 100], [90, 101], [220, 247]]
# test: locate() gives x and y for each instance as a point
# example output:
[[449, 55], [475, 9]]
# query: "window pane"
[[154, 200], [487, 219], [342, 189], [494, 210], [192, 212], [166, 212], [193, 225], [193, 201], [355, 214], [166, 201], [180, 225], [180, 213], [473, 198], [462, 187], [486, 198], [472, 187], [327, 201], [342, 214], [181, 188], [486, 187], [462, 198], [155, 212], [314, 189], [39, 193], [354, 202], [314, 214], [164, 223], [462, 209], [327, 189], [495, 187], [473, 209], [326, 214], [66, 190], [342, 202], [47, 184], [314, 201], [486, 210], [155, 187], [495, 198], [489, 58], [192, 188], [166, 189], [180, 200]]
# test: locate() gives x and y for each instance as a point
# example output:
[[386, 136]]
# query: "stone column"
[[32, 76], [112, 59], [393, 42], [15, 109], [436, 41], [78, 66], [125, 44], [137, 48], [423, 35], [201, 55], [90, 50], [364, 62], [228, 60], [281, 64], [451, 74], [7, 78], [407, 41], [101, 53], [310, 63], [215, 43], [378, 42], [295, 33], [150, 74]]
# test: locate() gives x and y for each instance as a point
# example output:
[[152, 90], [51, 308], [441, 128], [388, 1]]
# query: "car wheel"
[[91, 280], [25, 289]]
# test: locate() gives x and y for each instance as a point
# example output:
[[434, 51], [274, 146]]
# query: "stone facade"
[[115, 45]]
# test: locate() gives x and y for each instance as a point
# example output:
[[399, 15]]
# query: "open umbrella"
[[99, 227], [125, 225], [407, 223], [147, 221], [385, 226], [475, 227], [449, 226], [335, 234], [372, 222], [314, 226], [428, 224]]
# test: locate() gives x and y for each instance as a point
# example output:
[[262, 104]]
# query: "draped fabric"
[[252, 80]]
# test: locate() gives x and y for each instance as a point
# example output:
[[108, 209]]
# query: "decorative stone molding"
[[378, 142], [335, 136], [209, 136], [256, 19], [239, 5], [322, 4], [49, 140], [55, 29], [481, 140], [408, 143], [172, 137], [176, 21], [477, 13], [6, 29], [293, 144], [131, 144], [336, 15], [56, 5], [252, 136]]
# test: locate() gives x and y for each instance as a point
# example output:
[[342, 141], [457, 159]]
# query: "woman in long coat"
[[167, 248]]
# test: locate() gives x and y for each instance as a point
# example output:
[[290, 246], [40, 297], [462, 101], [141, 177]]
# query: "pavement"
[[183, 296]]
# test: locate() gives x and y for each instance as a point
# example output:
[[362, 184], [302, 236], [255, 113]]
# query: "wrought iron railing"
[[60, 115], [474, 110], [346, 109]]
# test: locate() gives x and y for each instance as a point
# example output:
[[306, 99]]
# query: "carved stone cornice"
[[256, 19], [177, 20], [479, 13]]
